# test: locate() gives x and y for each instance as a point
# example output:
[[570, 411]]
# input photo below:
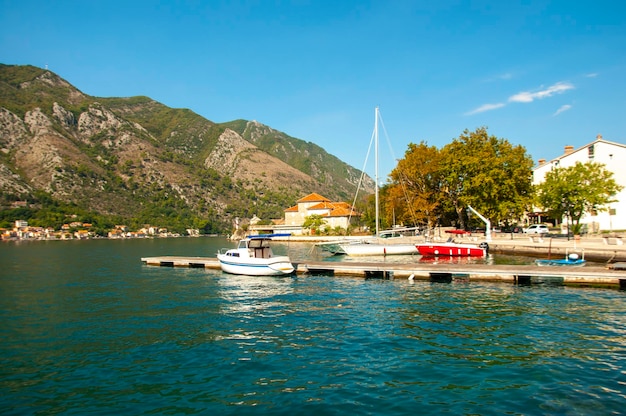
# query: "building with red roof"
[[335, 214]]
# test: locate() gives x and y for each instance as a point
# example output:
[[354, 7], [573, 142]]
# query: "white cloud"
[[562, 109], [485, 107], [529, 97], [592, 75]]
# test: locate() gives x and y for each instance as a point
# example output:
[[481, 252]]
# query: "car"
[[537, 229], [512, 229]]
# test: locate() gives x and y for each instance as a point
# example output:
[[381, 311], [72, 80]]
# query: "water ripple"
[[141, 340]]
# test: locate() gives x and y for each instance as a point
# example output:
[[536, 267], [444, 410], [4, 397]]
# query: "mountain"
[[138, 161]]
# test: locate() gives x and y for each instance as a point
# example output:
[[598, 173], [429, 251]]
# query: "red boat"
[[458, 232], [452, 249]]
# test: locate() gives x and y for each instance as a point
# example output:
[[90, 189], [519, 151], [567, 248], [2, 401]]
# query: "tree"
[[313, 222], [487, 173], [572, 191], [366, 205], [416, 192]]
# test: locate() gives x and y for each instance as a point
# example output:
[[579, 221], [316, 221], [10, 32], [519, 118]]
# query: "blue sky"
[[541, 74]]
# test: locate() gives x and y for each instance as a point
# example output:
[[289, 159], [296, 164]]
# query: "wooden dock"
[[588, 275], [178, 261]]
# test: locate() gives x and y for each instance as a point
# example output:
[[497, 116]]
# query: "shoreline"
[[594, 248]]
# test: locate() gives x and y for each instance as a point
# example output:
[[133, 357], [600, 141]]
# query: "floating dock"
[[588, 275]]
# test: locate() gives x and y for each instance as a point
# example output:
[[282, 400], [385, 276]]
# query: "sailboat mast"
[[376, 166]]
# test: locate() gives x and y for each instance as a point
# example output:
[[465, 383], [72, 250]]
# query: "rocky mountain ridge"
[[135, 159]]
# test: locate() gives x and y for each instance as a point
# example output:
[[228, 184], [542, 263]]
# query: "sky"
[[540, 74]]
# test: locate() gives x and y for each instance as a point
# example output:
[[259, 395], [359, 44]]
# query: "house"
[[122, 228], [335, 214], [610, 154], [116, 233], [81, 234], [21, 224]]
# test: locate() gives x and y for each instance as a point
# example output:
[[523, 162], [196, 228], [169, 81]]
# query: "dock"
[[589, 275]]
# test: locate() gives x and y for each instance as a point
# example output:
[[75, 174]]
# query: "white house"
[[21, 224], [613, 156]]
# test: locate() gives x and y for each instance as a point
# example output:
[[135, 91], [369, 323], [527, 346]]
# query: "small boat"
[[572, 259], [453, 260], [458, 232], [332, 247], [254, 257], [374, 248], [450, 248]]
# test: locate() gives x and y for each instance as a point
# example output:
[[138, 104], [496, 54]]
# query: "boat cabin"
[[257, 247]]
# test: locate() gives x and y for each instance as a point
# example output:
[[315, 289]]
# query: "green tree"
[[313, 222], [415, 196], [366, 206], [488, 173], [572, 191]]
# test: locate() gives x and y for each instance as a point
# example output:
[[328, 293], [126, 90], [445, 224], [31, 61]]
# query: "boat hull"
[[275, 266], [332, 248], [466, 250], [375, 249], [561, 262]]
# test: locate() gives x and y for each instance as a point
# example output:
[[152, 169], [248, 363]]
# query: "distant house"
[[610, 154], [82, 234], [116, 233], [21, 224], [335, 214]]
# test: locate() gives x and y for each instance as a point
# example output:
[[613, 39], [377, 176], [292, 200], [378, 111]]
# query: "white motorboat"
[[254, 257], [376, 248]]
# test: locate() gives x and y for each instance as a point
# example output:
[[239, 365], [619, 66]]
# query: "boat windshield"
[[258, 243]]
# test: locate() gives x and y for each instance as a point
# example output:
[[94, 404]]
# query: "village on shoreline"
[[77, 230]]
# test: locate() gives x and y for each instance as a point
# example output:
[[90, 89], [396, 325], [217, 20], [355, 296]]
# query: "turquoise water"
[[86, 328]]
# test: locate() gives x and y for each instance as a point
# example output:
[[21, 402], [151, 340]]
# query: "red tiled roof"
[[313, 198], [323, 205], [337, 209], [292, 209], [342, 212]]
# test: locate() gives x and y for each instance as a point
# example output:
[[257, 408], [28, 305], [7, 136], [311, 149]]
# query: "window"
[[591, 151]]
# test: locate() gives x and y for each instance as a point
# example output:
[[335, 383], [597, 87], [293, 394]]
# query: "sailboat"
[[376, 246]]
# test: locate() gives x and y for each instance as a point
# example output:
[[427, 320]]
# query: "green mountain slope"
[[136, 161]]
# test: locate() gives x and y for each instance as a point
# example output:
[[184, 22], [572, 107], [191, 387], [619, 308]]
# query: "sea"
[[86, 328]]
